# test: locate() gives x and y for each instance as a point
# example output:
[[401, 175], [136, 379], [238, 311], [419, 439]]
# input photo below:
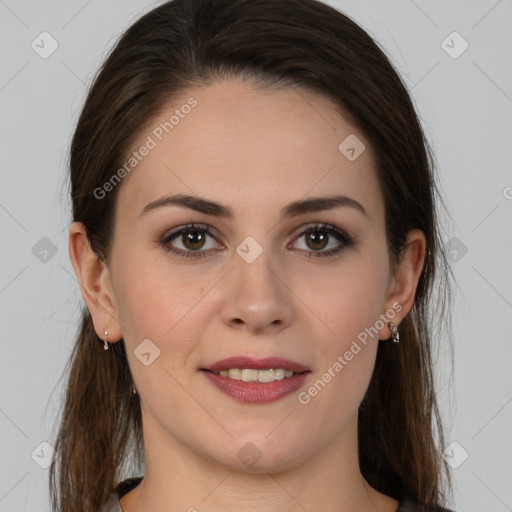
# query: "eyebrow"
[[313, 204]]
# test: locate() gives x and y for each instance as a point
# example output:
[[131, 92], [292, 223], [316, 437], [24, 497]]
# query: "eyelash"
[[322, 227]]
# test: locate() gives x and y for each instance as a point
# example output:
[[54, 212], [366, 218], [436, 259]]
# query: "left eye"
[[193, 238], [318, 237]]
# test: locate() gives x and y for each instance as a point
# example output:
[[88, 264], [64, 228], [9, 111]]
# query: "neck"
[[178, 479]]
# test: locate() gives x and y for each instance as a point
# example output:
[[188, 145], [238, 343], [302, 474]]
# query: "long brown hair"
[[282, 43]]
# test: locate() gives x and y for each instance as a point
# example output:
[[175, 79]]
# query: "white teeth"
[[235, 373], [266, 376], [251, 375], [279, 374]]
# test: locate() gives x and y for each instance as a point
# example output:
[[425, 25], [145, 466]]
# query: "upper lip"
[[256, 364]]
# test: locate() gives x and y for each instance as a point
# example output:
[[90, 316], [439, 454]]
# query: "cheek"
[[153, 298], [347, 356], [349, 306], [156, 303], [348, 300]]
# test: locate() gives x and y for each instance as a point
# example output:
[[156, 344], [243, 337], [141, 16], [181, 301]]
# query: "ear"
[[402, 284], [94, 278]]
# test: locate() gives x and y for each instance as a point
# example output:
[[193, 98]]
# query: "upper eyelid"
[[317, 225], [189, 227]]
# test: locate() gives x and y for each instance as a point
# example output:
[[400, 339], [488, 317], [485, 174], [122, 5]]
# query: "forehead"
[[248, 147]]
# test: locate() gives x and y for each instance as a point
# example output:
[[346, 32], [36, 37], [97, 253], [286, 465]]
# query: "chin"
[[258, 454]]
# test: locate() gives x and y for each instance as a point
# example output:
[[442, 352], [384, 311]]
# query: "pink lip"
[[256, 364], [257, 392]]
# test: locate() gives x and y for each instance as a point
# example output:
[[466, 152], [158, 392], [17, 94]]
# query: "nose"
[[257, 297]]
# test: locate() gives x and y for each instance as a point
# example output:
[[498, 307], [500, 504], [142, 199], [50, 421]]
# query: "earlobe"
[[94, 278], [404, 282]]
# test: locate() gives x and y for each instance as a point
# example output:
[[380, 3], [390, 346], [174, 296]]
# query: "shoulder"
[[113, 505], [410, 504], [122, 488], [127, 485]]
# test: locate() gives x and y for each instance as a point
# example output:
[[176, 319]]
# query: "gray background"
[[465, 105]]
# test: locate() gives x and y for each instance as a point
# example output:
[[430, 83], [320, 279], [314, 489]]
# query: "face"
[[193, 288]]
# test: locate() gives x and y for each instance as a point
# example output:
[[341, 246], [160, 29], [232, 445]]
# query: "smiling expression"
[[245, 232]]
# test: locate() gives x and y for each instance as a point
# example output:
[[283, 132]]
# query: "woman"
[[255, 236]]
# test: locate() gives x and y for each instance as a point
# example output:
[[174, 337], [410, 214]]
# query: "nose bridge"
[[257, 296]]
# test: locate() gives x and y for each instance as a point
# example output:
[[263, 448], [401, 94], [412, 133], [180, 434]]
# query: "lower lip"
[[257, 392]]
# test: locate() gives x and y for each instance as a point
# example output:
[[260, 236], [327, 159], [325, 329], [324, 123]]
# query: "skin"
[[255, 151]]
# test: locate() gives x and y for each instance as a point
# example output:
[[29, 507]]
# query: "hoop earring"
[[394, 332], [105, 344]]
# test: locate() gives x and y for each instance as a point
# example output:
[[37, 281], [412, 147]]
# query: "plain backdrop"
[[462, 86]]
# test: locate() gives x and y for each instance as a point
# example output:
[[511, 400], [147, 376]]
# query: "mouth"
[[252, 375], [256, 380]]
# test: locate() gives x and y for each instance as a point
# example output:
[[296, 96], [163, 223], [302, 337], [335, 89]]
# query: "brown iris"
[[316, 239], [193, 240]]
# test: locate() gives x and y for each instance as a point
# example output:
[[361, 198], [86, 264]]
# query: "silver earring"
[[134, 390], [105, 344], [394, 332]]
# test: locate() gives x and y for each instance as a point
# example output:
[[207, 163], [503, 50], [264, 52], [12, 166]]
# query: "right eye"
[[192, 238]]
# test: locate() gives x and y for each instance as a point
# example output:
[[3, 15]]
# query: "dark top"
[[408, 504]]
